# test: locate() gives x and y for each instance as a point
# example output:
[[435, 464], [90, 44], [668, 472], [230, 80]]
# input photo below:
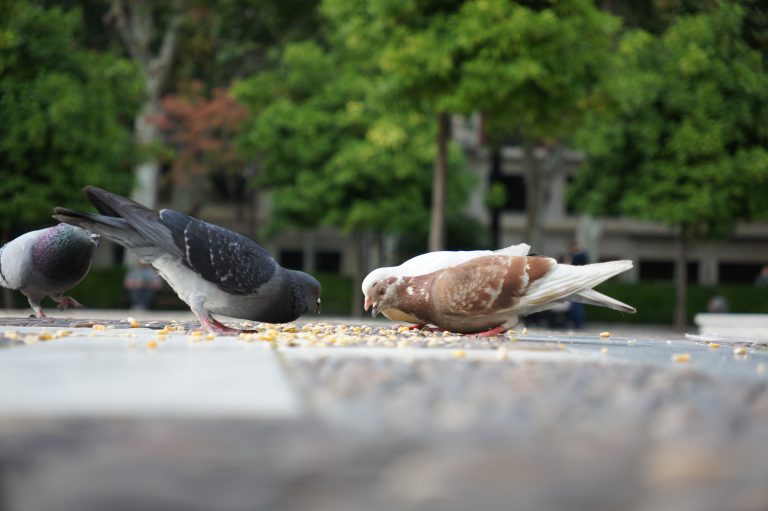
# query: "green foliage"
[[655, 301], [333, 156], [525, 65], [678, 133], [66, 114]]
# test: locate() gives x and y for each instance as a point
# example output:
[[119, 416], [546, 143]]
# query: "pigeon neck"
[[414, 296]]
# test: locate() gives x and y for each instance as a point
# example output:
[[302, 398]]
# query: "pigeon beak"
[[317, 307], [96, 238], [367, 304], [375, 309]]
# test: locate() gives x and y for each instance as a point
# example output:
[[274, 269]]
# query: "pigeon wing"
[[234, 263], [488, 284]]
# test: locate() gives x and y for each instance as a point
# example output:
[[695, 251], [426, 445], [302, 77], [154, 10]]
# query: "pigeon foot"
[[68, 301], [489, 333]]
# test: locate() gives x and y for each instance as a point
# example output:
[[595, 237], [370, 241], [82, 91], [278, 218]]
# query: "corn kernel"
[[714, 345], [98, 326], [44, 336], [459, 354], [740, 351], [681, 357], [196, 333], [152, 344], [605, 334]]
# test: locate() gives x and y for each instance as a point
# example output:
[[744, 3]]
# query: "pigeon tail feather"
[[565, 280], [114, 229], [592, 297]]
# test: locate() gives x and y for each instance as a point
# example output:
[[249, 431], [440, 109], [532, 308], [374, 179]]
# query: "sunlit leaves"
[[678, 134]]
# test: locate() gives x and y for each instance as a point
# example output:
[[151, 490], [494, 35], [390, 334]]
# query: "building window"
[[665, 270], [738, 273], [292, 259], [515, 192], [328, 261]]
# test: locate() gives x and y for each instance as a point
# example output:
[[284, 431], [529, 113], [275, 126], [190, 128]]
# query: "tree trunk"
[[495, 211], [681, 282], [533, 202], [147, 171], [437, 228], [135, 25]]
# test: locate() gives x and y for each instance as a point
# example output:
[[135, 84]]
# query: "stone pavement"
[[101, 412]]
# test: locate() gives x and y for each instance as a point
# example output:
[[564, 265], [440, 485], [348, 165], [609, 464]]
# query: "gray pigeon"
[[212, 269], [47, 262]]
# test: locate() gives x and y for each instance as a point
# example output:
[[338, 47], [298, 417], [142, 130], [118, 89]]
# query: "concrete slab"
[[106, 373]]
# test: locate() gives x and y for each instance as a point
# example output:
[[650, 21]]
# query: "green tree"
[[678, 133], [525, 65], [64, 109], [330, 156]]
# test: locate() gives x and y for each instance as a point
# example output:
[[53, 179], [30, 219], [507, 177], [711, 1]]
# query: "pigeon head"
[[63, 251], [385, 294], [370, 281], [306, 293]]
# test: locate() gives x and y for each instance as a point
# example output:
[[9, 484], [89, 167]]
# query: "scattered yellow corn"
[[44, 336], [681, 357], [152, 344], [714, 345], [99, 326], [605, 334], [459, 354]]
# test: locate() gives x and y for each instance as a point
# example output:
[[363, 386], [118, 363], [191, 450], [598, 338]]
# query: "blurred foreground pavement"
[[343, 416]]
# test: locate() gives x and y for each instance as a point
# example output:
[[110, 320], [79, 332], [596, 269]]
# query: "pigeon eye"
[[381, 292]]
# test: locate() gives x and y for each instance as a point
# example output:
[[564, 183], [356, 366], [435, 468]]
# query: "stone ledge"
[[743, 325]]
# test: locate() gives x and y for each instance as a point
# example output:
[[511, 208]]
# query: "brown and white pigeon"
[[432, 261], [487, 295], [47, 262], [212, 269]]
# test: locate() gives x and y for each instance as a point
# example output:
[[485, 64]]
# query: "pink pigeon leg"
[[221, 325], [489, 333], [36, 307]]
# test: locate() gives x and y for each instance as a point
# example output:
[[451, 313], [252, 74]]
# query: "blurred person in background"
[[142, 282]]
